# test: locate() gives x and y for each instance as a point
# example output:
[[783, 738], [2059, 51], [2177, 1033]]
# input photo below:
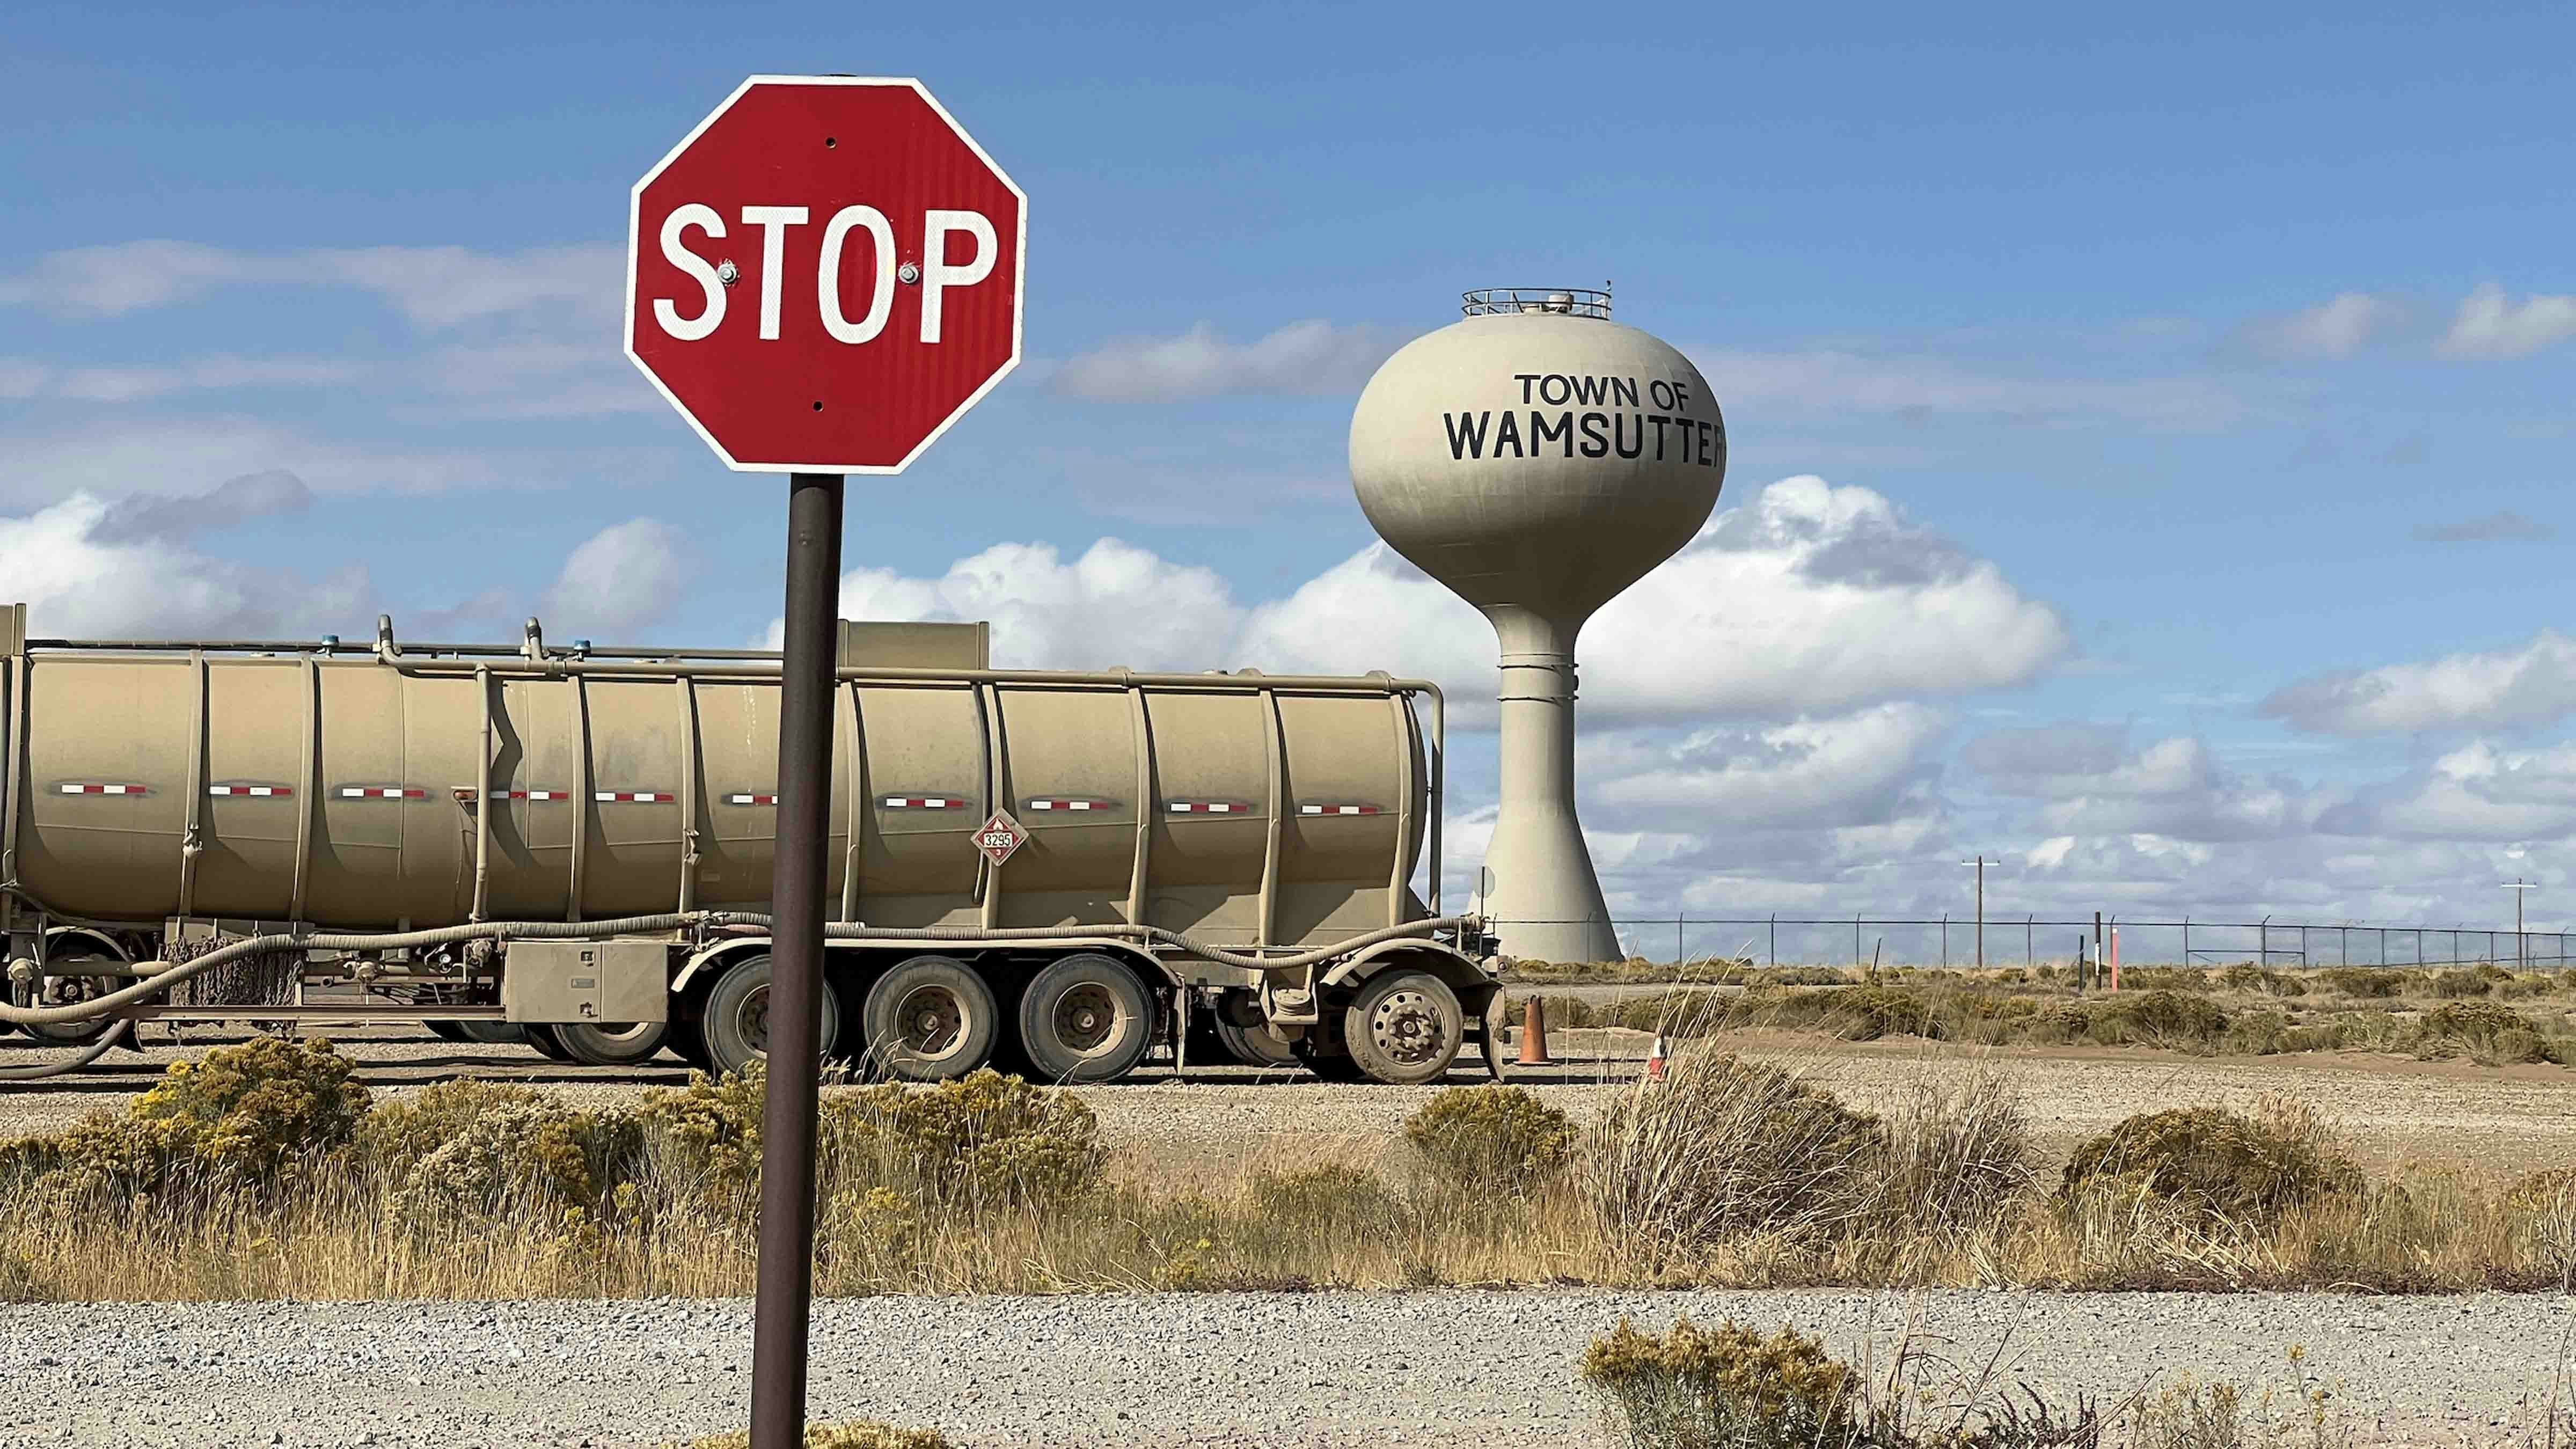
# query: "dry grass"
[[2484, 1014], [1729, 1173]]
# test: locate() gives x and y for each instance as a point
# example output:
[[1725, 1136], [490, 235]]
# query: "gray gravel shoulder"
[[1303, 1370]]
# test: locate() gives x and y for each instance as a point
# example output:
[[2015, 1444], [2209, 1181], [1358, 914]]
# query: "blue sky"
[[2235, 342]]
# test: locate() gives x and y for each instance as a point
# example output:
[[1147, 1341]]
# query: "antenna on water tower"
[[1538, 458]]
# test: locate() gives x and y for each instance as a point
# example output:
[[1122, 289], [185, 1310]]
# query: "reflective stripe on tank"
[[741, 799], [465, 793], [262, 791], [85, 788], [635, 797], [1072, 802], [1337, 809], [381, 792], [924, 802], [1207, 807]]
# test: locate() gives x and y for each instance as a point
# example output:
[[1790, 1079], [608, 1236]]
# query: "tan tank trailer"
[[575, 843]]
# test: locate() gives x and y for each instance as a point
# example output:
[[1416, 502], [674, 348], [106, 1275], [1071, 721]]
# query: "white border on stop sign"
[[1019, 277]]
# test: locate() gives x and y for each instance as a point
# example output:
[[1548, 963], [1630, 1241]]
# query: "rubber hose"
[[583, 930], [89, 1054]]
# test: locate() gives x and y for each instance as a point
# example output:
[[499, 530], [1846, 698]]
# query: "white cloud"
[[2091, 783], [2491, 326], [2529, 685], [186, 454], [435, 287], [1807, 600], [1115, 606], [624, 577], [84, 576], [2477, 792], [1853, 769], [1311, 357], [2333, 329]]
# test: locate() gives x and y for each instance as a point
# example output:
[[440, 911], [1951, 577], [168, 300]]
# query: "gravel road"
[[1305, 1370]]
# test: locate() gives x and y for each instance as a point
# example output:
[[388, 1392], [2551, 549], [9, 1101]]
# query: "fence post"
[[1945, 940], [1678, 956], [2030, 940], [2186, 938], [2263, 944], [1855, 938], [1775, 938]]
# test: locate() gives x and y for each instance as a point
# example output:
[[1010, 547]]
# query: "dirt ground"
[[2492, 1121]]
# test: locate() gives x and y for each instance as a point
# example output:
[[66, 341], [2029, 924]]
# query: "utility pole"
[[2521, 952], [1980, 864]]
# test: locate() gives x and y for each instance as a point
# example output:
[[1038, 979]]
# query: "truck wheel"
[[445, 1030], [541, 1035], [1255, 1046], [1331, 1066], [493, 1033], [621, 1044], [931, 1019], [735, 1020], [1086, 1018], [1405, 1027]]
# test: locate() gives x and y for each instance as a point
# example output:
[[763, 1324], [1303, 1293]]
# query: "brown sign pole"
[[784, 1310]]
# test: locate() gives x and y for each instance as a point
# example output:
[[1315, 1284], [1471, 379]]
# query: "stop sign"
[[825, 274]]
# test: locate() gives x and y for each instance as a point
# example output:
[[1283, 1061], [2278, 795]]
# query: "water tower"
[[1538, 458]]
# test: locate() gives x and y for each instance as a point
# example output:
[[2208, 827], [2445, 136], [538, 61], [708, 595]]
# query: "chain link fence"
[[2030, 940]]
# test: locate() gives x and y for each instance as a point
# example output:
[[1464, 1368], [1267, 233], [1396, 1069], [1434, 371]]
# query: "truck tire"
[[1256, 1046], [1086, 1018], [1405, 1027], [619, 1044], [735, 1019], [444, 1031], [493, 1033], [541, 1035], [930, 1019]]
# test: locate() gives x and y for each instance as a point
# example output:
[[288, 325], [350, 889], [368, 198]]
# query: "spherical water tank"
[[1538, 458]]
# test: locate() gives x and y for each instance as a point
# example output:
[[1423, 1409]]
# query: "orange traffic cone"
[[1655, 1059], [1534, 1034]]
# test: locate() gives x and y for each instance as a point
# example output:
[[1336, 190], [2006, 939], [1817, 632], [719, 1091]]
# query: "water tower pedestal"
[[1540, 891]]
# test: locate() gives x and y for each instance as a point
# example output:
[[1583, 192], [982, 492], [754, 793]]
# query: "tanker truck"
[[574, 844]]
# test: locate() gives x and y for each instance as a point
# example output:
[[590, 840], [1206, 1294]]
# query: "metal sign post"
[[782, 1312], [821, 278]]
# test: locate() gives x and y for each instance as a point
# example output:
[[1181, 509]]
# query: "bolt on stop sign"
[[825, 274]]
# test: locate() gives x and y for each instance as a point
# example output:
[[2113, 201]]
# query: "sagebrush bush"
[[2245, 1168], [985, 1140], [1866, 1013], [1723, 1388], [2487, 1028], [256, 1117], [1490, 1139], [398, 1131], [2161, 1018], [519, 1154], [2364, 981]]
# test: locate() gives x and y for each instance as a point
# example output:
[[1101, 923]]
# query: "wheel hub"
[[1406, 1026], [934, 1021], [1086, 1018]]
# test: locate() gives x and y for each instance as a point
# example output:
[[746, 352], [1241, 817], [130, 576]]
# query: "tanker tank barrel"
[[205, 830]]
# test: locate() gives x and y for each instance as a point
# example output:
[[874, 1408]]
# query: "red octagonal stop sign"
[[825, 274]]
